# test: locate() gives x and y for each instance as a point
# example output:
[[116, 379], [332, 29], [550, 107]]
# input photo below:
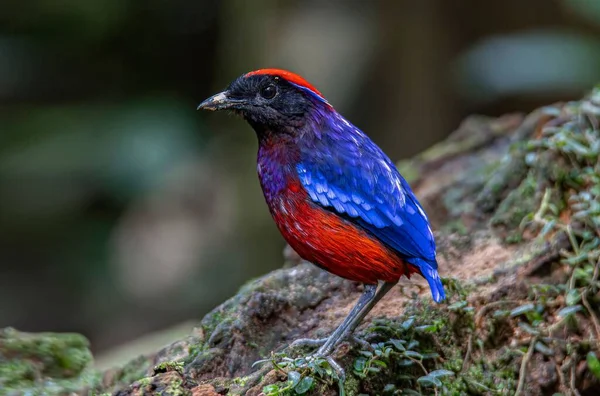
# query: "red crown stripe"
[[286, 75]]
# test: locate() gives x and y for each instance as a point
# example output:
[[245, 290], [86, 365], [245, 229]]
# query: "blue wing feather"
[[344, 171]]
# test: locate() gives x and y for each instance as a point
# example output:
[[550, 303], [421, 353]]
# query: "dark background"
[[124, 211]]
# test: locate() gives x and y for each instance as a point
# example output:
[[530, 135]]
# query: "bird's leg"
[[365, 303], [364, 345], [367, 295], [370, 296]]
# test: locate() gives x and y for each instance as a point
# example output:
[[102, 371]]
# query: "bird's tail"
[[433, 278]]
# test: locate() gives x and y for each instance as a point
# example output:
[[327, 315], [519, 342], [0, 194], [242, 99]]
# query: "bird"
[[335, 196]]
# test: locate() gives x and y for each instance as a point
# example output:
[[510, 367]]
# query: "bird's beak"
[[219, 101]]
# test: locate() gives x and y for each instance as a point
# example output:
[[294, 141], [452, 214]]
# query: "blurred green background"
[[124, 211]]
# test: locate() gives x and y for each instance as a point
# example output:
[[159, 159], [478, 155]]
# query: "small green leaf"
[[573, 297], [431, 355], [428, 380], [366, 353], [389, 388], [405, 377], [380, 363], [427, 328], [398, 344], [568, 311], [413, 344], [359, 364], [457, 305], [522, 309], [593, 364], [320, 371], [547, 228], [534, 316], [294, 378], [528, 328], [387, 351], [441, 373], [543, 349], [271, 389], [413, 354], [374, 369], [410, 392], [379, 345], [407, 324], [299, 362], [304, 385]]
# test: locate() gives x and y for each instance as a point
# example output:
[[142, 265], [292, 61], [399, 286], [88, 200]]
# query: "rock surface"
[[516, 205]]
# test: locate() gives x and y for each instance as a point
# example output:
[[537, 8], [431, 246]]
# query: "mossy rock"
[[516, 201], [44, 363]]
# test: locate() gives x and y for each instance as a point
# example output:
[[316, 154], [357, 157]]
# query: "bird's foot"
[[341, 374], [324, 354], [308, 342], [365, 345], [317, 360], [319, 342]]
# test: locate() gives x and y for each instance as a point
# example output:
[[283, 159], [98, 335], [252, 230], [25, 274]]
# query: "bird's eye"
[[268, 92]]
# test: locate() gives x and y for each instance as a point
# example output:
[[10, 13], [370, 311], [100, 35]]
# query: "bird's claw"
[[362, 343], [326, 353], [317, 342], [339, 371], [341, 374], [307, 342]]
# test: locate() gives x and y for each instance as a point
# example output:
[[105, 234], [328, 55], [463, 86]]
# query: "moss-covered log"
[[516, 205]]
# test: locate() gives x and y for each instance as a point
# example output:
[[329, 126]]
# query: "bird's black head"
[[269, 99]]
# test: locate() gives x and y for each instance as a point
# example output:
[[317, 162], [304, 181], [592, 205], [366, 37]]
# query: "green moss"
[[427, 343], [163, 384], [59, 355], [428, 339], [175, 388], [557, 200], [168, 366], [479, 380], [216, 318], [226, 313], [352, 386], [241, 381], [519, 203], [49, 363], [146, 381], [455, 227], [132, 371]]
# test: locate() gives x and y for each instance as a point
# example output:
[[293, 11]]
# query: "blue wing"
[[344, 171]]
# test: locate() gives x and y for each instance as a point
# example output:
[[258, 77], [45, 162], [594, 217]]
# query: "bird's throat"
[[276, 161]]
